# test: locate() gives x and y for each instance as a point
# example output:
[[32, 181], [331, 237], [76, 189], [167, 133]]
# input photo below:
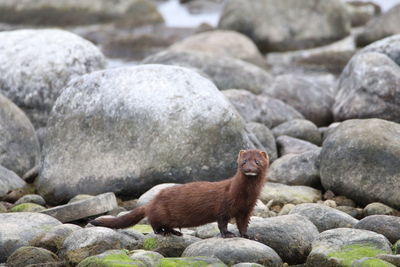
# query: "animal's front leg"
[[242, 222], [223, 227]]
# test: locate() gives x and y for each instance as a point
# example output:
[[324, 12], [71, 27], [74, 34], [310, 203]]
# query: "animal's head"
[[252, 162]]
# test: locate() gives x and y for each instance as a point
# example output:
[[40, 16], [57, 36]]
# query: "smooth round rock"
[[361, 160], [301, 129], [72, 12], [118, 135], [287, 24], [18, 229], [296, 169], [265, 137], [31, 198], [263, 109], [222, 43], [283, 194], [9, 181], [54, 239], [278, 232], [382, 224], [324, 217], [18, 143], [377, 208], [311, 97], [25, 256], [225, 72], [91, 241], [234, 250], [168, 246], [288, 145], [54, 57]]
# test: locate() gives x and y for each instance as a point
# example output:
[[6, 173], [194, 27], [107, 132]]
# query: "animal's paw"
[[228, 234]]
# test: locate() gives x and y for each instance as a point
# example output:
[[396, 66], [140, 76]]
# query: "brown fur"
[[198, 203]]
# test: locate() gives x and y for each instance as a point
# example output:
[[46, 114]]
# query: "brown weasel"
[[198, 203]]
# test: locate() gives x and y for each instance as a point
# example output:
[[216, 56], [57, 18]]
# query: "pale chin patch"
[[250, 174]]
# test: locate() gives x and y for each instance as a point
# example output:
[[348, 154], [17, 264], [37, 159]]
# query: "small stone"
[[393, 259], [353, 212], [370, 261], [286, 209], [301, 129], [168, 246], [330, 203], [377, 208], [27, 207], [79, 198]]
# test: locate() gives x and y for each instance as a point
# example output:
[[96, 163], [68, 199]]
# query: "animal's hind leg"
[[172, 231]]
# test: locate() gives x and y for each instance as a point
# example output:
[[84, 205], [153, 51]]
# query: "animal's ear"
[[264, 154], [241, 152]]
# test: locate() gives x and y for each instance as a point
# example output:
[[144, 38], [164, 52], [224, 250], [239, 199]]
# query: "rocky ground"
[[314, 83]]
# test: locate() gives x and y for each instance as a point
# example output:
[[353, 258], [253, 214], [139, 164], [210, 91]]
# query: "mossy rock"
[[27, 207], [143, 228], [191, 262], [31, 255], [396, 247], [350, 253], [111, 258], [150, 258], [371, 262], [150, 243]]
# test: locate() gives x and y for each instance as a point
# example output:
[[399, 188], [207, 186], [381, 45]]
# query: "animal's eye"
[[257, 162], [244, 162]]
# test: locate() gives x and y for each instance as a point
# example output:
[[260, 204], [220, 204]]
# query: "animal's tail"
[[131, 218]]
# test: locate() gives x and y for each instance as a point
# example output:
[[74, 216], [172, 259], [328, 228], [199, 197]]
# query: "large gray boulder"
[[18, 141], [380, 27], [234, 250], [259, 108], [18, 229], [222, 43], [9, 181], [35, 65], [266, 138], [312, 98], [74, 12], [125, 130], [225, 72], [361, 160], [340, 247], [287, 24], [369, 86]]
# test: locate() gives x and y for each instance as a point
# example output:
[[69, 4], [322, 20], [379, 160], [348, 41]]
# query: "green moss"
[[191, 262], [27, 207], [150, 243], [375, 263], [120, 259], [143, 228], [396, 247], [349, 253]]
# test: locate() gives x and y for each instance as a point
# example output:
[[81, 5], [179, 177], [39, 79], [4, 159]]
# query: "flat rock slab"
[[84, 208]]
